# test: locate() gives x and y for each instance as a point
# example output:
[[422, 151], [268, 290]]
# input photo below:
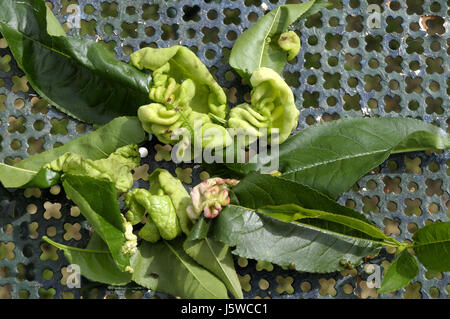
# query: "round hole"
[[352, 82], [312, 40], [333, 61], [394, 45], [373, 63], [331, 101], [311, 80], [353, 42], [171, 12]]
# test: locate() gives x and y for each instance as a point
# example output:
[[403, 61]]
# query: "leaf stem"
[[62, 247]]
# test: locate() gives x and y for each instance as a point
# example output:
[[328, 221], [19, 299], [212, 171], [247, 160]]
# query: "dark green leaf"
[[95, 261], [400, 272], [216, 257], [331, 157], [291, 213], [98, 203], [79, 76], [432, 246], [95, 145], [257, 47], [259, 190], [165, 267], [308, 248]]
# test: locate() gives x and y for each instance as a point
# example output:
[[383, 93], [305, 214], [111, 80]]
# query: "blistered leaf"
[[184, 92], [162, 180], [272, 107], [93, 146]]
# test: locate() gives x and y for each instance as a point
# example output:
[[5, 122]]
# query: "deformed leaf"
[[99, 86], [96, 145]]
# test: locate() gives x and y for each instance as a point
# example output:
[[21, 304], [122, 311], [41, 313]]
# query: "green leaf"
[[400, 272], [308, 248], [14, 177], [312, 244], [290, 213], [99, 86], [95, 145], [216, 257], [96, 262], [98, 204], [432, 246], [257, 46], [259, 190], [165, 267], [331, 157]]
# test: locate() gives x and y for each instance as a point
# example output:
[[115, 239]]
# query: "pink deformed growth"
[[210, 197]]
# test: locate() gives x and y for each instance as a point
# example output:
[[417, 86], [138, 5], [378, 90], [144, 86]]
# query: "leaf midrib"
[[317, 228], [189, 269], [64, 247], [18, 168], [266, 36], [338, 159], [445, 241]]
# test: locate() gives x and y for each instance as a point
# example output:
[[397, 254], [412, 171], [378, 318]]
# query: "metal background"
[[344, 69]]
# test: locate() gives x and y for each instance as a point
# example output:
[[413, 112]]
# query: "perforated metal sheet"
[[345, 69]]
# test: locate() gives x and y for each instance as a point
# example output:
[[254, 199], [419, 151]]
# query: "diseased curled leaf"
[[400, 272], [432, 246], [96, 145], [216, 257], [162, 181], [115, 168], [272, 109], [331, 157], [99, 86], [165, 267], [95, 262], [257, 46], [98, 204]]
